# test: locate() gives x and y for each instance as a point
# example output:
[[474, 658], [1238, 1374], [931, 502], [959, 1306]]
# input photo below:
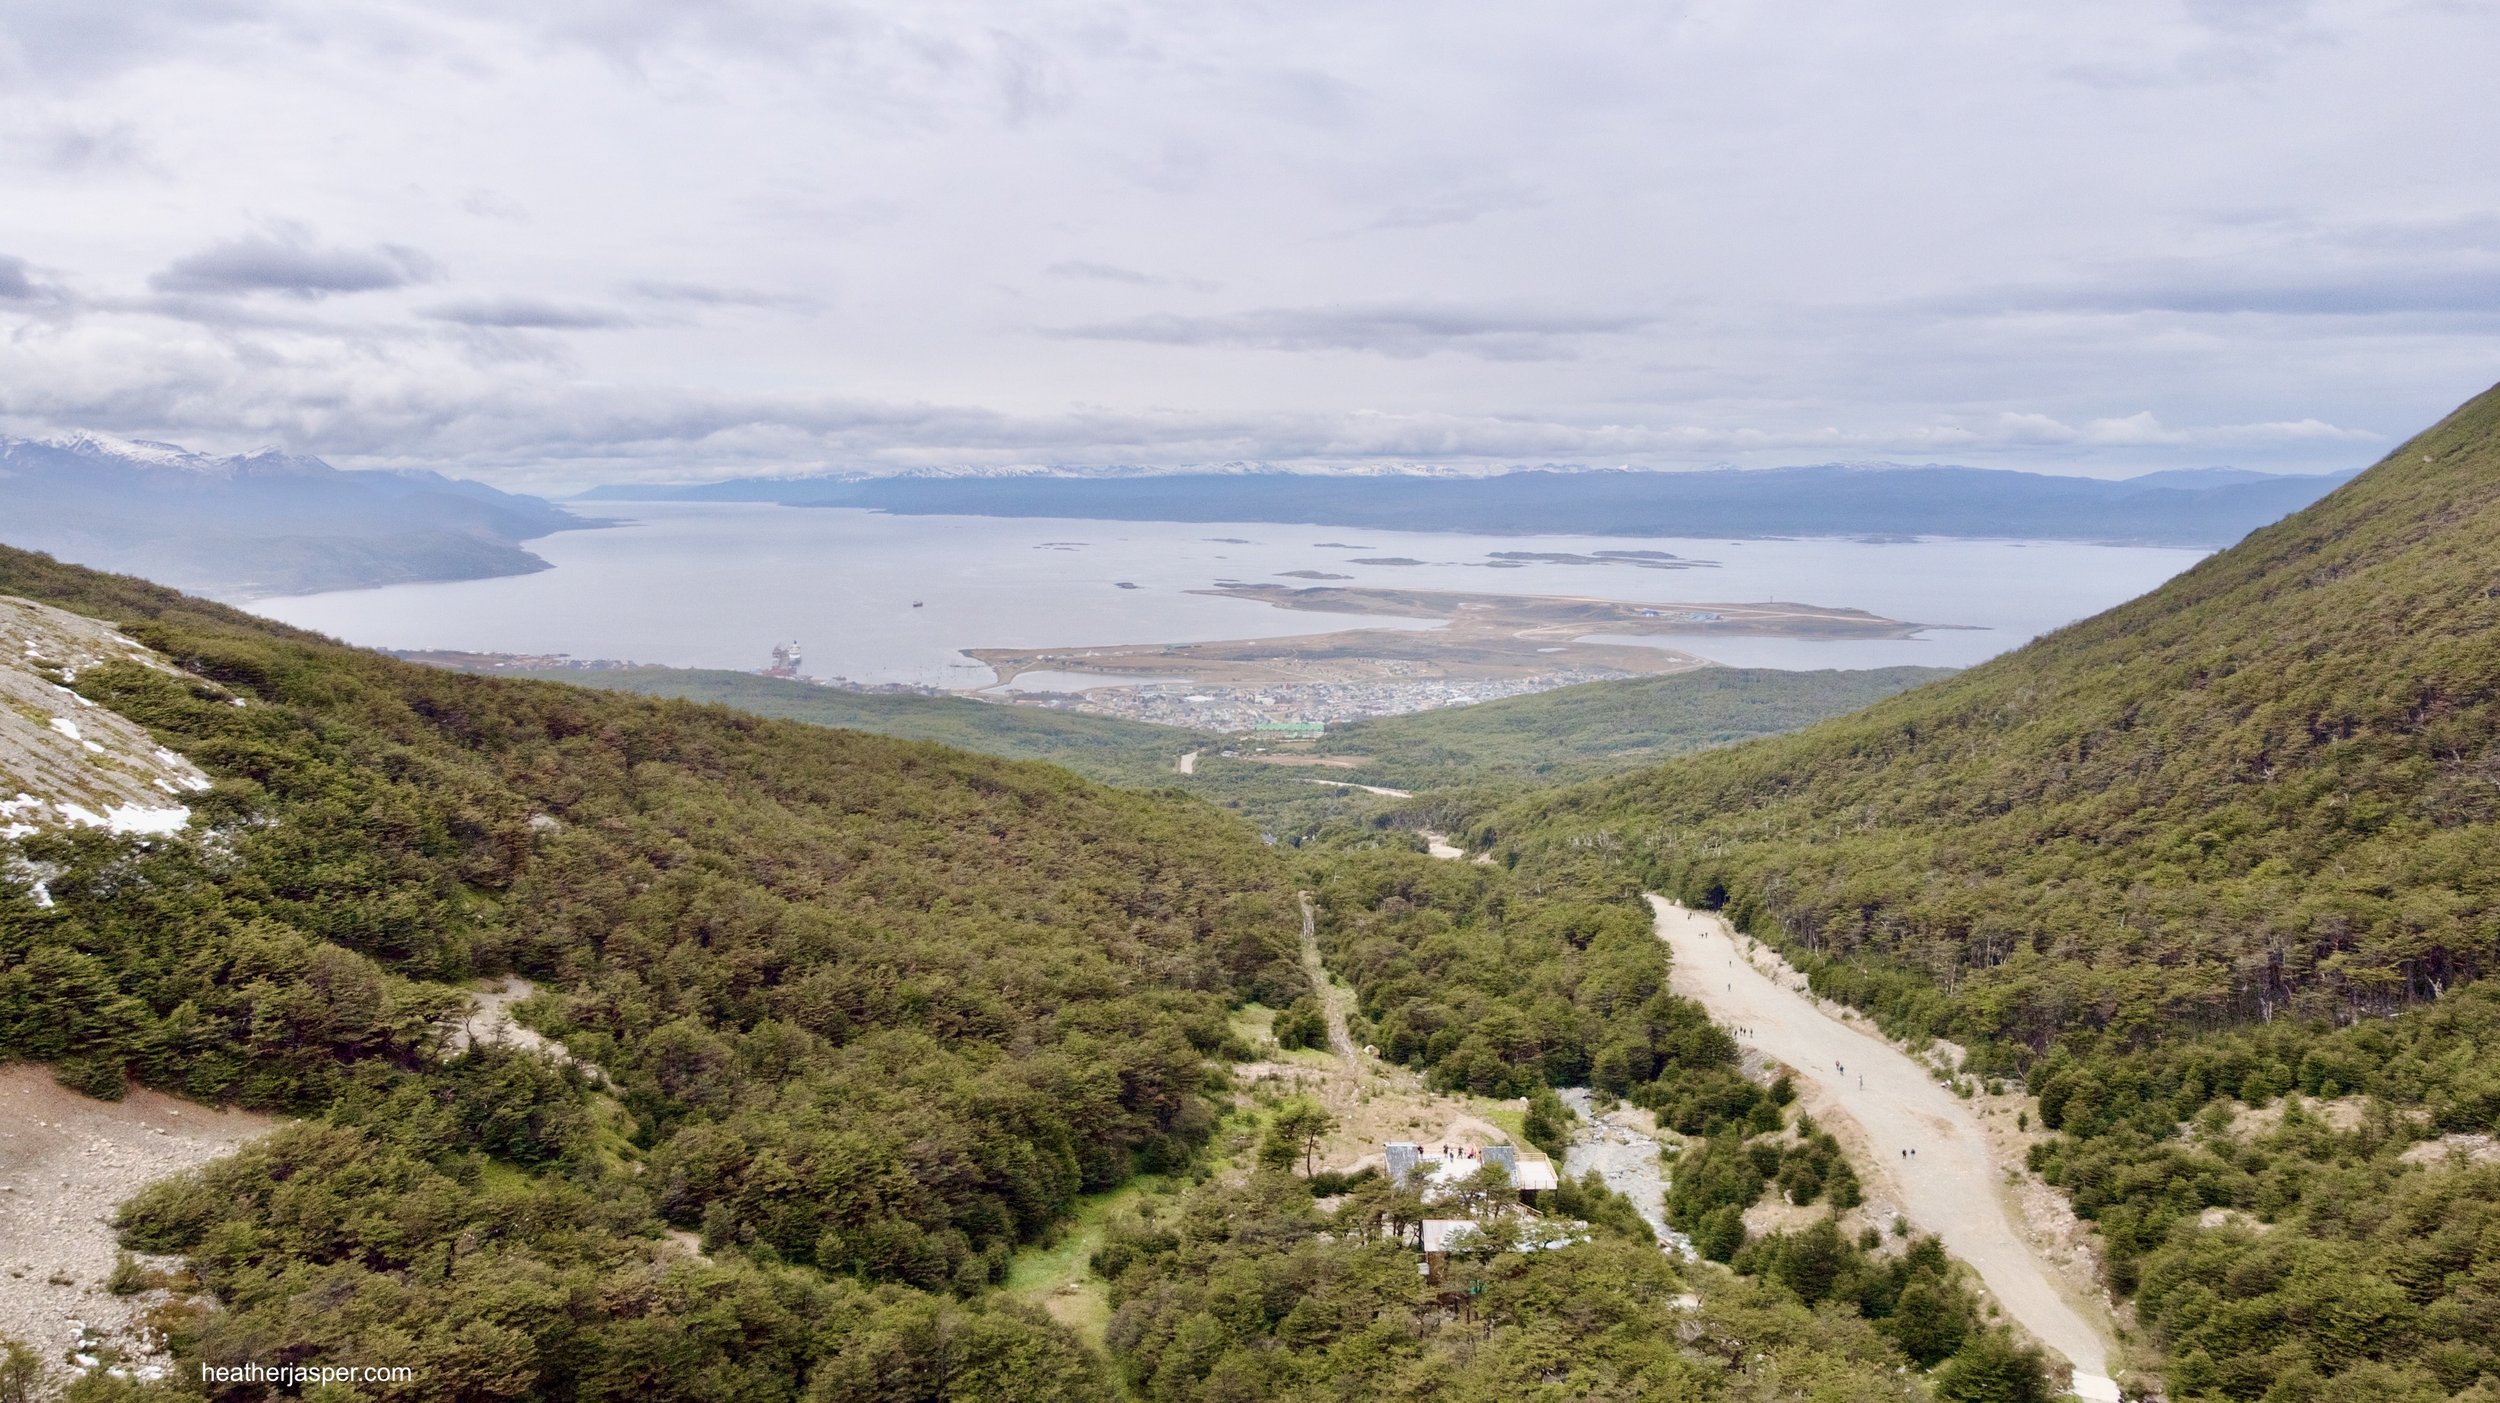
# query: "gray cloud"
[[640, 33], [55, 44], [716, 295], [2421, 285], [1455, 207], [1403, 332], [74, 149], [487, 204], [2222, 42], [1609, 233], [528, 314], [36, 294], [290, 263], [408, 401], [2377, 295], [1089, 271]]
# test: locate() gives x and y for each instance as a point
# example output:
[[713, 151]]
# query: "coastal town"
[[1183, 702], [1188, 705], [1485, 647]]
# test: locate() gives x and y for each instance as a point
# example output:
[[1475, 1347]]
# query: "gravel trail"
[[1919, 1139], [1382, 790], [66, 1162]]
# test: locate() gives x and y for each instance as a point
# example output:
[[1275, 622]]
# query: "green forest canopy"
[[1919, 858], [2216, 870], [2267, 786], [1578, 732], [860, 1015], [869, 1006]]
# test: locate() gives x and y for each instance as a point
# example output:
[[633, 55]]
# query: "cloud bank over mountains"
[[619, 240]]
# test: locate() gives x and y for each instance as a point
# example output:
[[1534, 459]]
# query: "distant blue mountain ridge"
[[254, 524], [2197, 507]]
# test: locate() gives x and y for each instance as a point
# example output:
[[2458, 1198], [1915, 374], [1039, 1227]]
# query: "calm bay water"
[[717, 585]]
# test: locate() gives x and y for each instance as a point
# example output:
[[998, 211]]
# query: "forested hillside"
[[1580, 732], [1108, 750], [846, 1022], [1602, 728], [2267, 786], [867, 1006], [1280, 803], [2215, 872]]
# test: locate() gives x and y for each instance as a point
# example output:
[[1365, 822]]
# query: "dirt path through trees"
[[1914, 1135], [1382, 790], [1331, 998]]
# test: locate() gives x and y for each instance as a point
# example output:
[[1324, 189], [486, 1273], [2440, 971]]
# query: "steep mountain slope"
[[2274, 783], [259, 523], [2218, 873], [865, 1006], [2189, 509]]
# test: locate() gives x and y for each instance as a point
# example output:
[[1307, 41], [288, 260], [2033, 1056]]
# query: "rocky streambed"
[[1625, 1148]]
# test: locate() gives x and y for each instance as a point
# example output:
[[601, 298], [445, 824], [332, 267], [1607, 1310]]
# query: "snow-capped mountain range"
[[149, 453]]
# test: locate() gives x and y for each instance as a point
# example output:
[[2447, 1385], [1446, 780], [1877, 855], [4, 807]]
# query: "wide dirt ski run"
[[1919, 1139]]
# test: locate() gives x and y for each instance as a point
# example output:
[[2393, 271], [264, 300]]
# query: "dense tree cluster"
[[1259, 1294], [1728, 1168], [1914, 1296], [1488, 990], [1302, 1023], [395, 1240], [2334, 1247]]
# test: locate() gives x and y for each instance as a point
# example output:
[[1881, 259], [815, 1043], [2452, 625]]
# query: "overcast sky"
[[657, 239]]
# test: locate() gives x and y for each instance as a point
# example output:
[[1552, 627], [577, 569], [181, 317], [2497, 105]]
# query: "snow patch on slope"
[[67, 761]]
